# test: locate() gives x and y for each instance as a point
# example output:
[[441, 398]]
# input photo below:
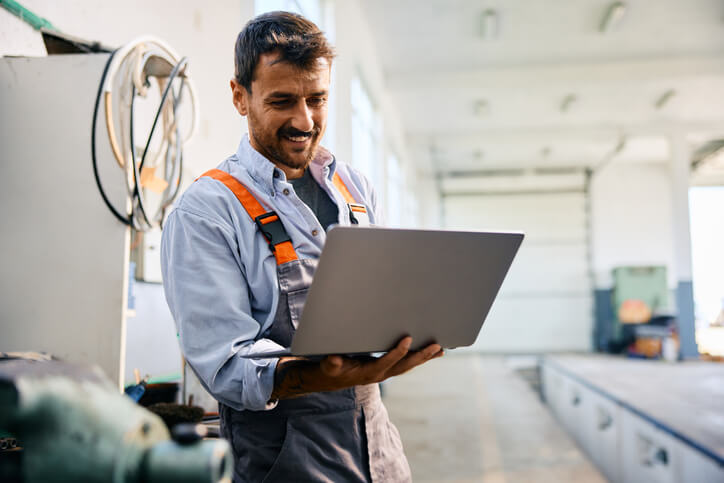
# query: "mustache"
[[294, 132]]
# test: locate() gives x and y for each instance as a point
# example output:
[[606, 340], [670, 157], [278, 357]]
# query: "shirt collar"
[[262, 170]]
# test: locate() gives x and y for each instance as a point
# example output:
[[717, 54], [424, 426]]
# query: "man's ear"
[[240, 97]]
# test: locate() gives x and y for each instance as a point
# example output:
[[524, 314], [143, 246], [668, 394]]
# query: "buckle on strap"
[[272, 228], [361, 218]]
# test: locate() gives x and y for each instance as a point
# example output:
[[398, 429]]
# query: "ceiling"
[[550, 89]]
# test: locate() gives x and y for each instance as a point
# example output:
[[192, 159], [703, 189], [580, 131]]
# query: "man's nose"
[[302, 117]]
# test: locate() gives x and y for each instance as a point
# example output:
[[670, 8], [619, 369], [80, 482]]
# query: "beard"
[[272, 144]]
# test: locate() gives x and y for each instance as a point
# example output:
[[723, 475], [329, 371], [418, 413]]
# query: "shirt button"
[[286, 191], [315, 232]]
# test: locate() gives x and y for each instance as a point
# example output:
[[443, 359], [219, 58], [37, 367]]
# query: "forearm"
[[297, 377]]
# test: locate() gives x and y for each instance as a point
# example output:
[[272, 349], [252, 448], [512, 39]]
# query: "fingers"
[[397, 361], [432, 351], [394, 356]]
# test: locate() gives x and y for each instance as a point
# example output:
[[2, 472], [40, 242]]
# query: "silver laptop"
[[374, 286]]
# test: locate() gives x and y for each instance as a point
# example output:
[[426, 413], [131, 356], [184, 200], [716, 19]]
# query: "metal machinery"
[[74, 425]]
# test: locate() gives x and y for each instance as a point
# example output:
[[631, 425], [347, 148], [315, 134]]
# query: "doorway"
[[706, 208]]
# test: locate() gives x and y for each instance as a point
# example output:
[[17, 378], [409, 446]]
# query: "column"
[[680, 175]]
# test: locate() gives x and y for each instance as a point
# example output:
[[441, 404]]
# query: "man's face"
[[286, 110]]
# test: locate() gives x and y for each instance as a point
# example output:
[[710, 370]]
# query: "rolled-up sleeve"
[[207, 292]]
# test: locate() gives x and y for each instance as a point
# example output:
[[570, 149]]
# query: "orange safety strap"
[[342, 188], [284, 252], [353, 205]]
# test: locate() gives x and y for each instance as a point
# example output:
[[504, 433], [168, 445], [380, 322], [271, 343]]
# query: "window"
[[365, 134], [411, 213], [395, 192], [707, 239]]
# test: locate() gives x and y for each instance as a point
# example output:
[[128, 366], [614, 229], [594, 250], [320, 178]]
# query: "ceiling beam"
[[528, 180], [435, 135], [556, 74]]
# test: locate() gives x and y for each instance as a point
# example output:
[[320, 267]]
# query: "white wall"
[[430, 203], [632, 218], [151, 340]]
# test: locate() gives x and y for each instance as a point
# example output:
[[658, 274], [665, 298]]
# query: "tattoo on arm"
[[293, 378]]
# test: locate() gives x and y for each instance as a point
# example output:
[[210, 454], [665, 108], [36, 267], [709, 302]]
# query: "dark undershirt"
[[317, 199]]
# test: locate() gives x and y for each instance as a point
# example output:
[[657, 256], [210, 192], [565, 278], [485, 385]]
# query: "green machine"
[[74, 425], [644, 284]]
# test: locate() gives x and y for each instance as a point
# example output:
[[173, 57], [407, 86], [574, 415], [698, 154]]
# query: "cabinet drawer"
[[647, 453], [573, 403], [603, 434]]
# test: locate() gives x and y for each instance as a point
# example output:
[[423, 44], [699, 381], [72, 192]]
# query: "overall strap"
[[268, 221], [357, 212]]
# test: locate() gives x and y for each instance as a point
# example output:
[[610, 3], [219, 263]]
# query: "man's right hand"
[[298, 376]]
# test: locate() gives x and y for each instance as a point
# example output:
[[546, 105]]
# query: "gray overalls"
[[339, 436]]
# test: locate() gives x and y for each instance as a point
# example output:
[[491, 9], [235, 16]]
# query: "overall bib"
[[339, 436]]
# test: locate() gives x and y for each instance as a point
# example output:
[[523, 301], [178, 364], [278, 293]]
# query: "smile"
[[298, 139]]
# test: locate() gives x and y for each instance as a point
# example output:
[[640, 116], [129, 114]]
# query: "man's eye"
[[282, 103], [316, 101]]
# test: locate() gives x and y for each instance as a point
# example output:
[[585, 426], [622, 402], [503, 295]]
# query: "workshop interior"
[[595, 127]]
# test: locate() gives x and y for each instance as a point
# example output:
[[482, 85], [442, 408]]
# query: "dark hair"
[[299, 41]]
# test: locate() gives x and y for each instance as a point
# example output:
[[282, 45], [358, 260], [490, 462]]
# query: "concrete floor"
[[471, 418]]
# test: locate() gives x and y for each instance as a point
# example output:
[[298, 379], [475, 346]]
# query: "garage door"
[[545, 303]]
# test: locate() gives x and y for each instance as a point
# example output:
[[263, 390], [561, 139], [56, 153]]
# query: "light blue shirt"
[[220, 277]]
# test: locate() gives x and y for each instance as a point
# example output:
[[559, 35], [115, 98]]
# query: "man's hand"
[[295, 376]]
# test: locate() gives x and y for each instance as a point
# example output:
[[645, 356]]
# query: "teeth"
[[297, 139]]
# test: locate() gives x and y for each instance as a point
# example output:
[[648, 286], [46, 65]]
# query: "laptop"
[[373, 286]]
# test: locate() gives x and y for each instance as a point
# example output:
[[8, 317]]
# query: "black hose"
[[137, 196], [126, 220], [181, 63], [136, 172], [137, 168]]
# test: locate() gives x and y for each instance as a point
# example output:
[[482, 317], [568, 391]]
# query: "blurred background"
[[596, 127]]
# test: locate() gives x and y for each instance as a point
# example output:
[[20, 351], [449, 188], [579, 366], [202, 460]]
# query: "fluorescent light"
[[620, 145], [664, 98], [567, 102], [481, 107], [613, 16], [488, 24]]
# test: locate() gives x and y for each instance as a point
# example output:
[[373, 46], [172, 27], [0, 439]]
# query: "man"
[[238, 254]]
